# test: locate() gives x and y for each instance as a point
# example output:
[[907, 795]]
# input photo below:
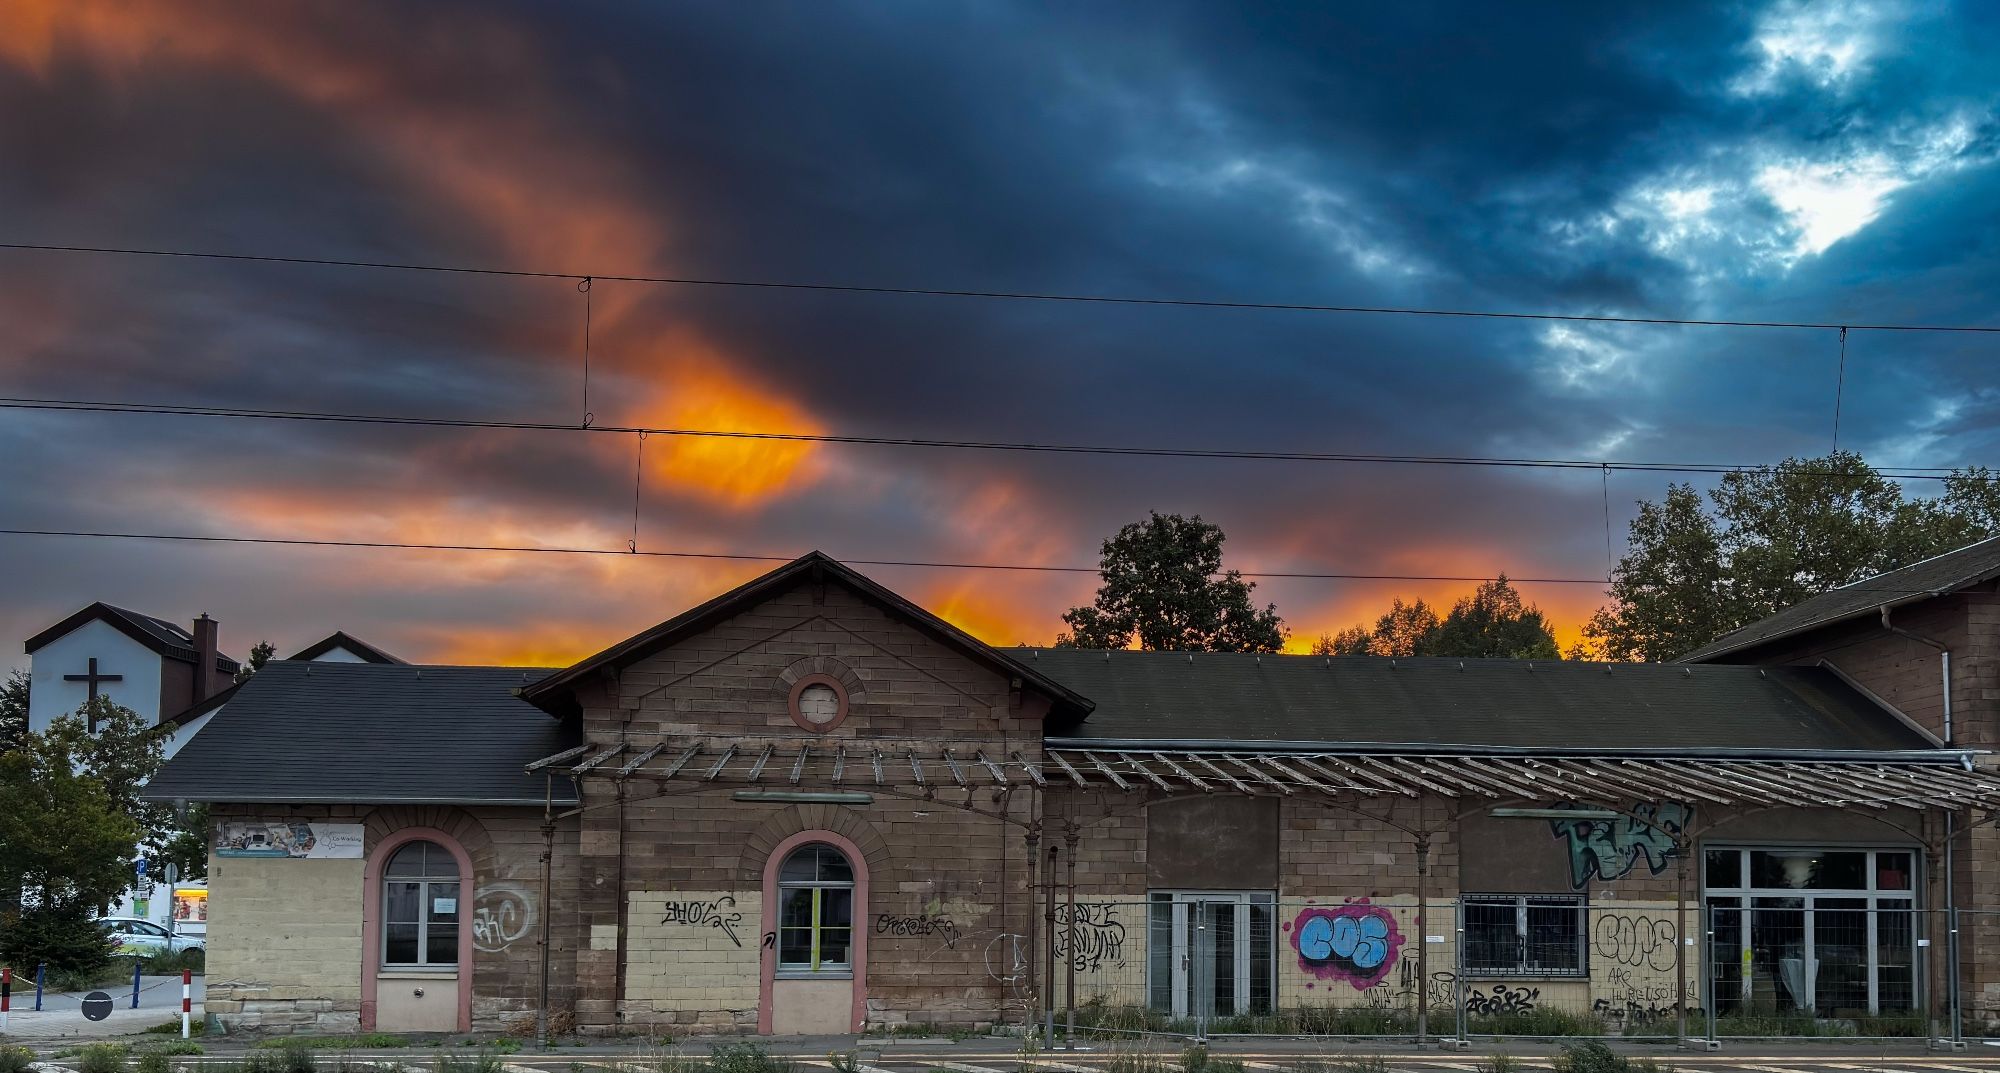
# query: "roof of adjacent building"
[[367, 732], [166, 638], [1935, 576], [342, 639], [1530, 704]]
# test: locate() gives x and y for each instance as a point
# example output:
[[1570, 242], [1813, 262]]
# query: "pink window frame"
[[371, 920], [859, 952]]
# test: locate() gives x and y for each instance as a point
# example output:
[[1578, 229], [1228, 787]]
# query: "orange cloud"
[[690, 385]]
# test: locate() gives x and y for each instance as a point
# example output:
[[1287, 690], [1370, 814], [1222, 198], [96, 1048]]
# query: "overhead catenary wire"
[[253, 413], [998, 295], [756, 557]]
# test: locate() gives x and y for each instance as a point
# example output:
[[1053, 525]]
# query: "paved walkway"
[[61, 1016]]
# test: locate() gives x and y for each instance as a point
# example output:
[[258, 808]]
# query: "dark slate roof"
[[366, 732], [1544, 705], [1934, 576], [166, 638], [342, 639], [810, 567]]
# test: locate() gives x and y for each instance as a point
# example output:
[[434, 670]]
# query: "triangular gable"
[[342, 639], [811, 567]]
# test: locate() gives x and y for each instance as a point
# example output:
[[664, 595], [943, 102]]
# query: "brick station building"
[[809, 805]]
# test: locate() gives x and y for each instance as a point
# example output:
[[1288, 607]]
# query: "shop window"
[[420, 896], [815, 912], [1823, 931], [1524, 934]]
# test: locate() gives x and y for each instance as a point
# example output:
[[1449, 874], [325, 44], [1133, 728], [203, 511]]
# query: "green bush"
[[66, 938], [1198, 1059], [744, 1058], [1499, 1063], [368, 1041], [101, 1058], [1543, 1021], [480, 1062], [16, 1059], [282, 1056], [1594, 1056], [1350, 1021], [193, 959]]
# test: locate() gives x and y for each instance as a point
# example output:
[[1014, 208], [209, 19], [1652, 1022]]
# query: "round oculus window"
[[819, 703]]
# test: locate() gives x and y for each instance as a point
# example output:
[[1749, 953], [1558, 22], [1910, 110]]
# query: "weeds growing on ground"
[[16, 1059], [101, 1058], [482, 1061], [1593, 1056], [1499, 1063], [1545, 1021], [368, 1041], [196, 1027]]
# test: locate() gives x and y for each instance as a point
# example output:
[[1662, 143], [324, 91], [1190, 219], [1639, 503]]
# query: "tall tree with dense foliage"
[[1165, 589], [66, 849], [1493, 622], [13, 709], [1762, 540]]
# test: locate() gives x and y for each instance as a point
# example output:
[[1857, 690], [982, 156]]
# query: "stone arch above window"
[[844, 822]]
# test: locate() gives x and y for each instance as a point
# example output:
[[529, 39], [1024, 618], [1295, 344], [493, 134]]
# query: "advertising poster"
[[312, 841]]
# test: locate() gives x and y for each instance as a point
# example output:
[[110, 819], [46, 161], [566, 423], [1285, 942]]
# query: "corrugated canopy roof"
[[1553, 704]]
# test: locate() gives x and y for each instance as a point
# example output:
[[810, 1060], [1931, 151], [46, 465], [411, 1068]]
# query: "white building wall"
[[49, 696], [337, 654]]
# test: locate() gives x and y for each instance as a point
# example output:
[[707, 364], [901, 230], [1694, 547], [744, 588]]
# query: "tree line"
[[1696, 566]]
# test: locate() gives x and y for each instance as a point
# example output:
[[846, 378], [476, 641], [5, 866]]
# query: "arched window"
[[420, 907], [815, 911]]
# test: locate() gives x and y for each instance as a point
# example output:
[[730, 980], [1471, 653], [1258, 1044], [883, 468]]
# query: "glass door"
[[1219, 953]]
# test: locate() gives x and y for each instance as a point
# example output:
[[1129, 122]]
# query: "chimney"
[[207, 682]]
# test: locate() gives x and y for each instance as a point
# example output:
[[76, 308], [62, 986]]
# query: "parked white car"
[[136, 935]]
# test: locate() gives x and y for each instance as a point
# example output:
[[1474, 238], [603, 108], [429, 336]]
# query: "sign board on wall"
[[315, 841]]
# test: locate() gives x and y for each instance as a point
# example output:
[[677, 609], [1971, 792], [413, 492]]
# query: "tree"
[[260, 654], [1164, 587], [13, 709], [1769, 538], [1352, 641], [1493, 623], [66, 848]]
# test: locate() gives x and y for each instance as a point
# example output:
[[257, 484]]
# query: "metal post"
[[1951, 960], [1069, 934], [542, 940], [1423, 937], [41, 975], [1709, 998], [1034, 840], [136, 960], [1458, 978], [1680, 940], [1049, 951]]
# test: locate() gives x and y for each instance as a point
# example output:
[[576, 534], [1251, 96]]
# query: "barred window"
[[1525, 934]]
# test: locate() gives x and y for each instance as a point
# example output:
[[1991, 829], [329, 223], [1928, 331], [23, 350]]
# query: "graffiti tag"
[[1610, 849], [501, 915], [1501, 999], [1100, 935], [1639, 941], [925, 924], [1007, 957], [1356, 942], [720, 914]]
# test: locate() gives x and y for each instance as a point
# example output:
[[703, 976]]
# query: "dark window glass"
[[795, 946], [836, 907], [833, 946], [1529, 935], [1160, 953], [443, 949], [815, 906], [1807, 869], [402, 903], [798, 908], [1892, 871], [1725, 868], [400, 946]]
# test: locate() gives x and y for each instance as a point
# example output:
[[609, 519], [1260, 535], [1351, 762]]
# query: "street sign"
[[141, 865], [97, 1006]]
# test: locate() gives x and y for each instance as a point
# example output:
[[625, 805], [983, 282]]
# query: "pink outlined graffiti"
[[1356, 942]]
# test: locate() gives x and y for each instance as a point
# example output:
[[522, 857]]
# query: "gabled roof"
[[811, 566], [1935, 576], [376, 733], [157, 634], [342, 639], [1438, 703]]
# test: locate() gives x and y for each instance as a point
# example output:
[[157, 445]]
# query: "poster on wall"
[[314, 841], [190, 906]]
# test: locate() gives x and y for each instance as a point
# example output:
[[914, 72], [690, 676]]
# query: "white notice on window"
[[1923, 942], [444, 906]]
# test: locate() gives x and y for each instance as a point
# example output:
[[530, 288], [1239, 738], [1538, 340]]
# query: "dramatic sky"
[[1825, 162]]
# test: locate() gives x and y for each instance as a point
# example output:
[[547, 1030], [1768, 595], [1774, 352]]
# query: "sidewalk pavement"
[[61, 1016]]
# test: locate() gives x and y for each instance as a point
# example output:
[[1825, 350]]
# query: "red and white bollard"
[[6, 995], [187, 1000]]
